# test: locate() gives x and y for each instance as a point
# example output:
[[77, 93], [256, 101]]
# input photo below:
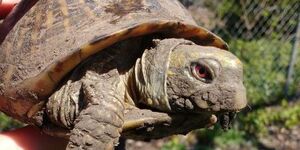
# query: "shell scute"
[[124, 7]]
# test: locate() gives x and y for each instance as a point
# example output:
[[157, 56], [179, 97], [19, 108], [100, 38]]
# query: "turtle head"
[[205, 79], [179, 76]]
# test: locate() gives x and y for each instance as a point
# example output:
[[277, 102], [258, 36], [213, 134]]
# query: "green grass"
[[7, 123]]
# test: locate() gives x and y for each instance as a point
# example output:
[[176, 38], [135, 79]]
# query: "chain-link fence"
[[264, 35]]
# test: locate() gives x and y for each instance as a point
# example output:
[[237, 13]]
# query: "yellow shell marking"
[[65, 12]]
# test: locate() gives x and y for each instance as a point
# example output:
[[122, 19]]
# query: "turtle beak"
[[240, 100]]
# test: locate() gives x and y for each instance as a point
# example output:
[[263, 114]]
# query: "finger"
[[6, 6], [14, 16], [30, 138]]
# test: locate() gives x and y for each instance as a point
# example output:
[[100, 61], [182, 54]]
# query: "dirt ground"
[[282, 138]]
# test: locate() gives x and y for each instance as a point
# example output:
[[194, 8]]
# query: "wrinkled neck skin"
[[147, 80]]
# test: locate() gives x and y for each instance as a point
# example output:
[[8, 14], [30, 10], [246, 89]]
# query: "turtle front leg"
[[99, 124]]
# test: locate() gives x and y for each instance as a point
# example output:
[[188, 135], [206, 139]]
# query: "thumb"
[[6, 6]]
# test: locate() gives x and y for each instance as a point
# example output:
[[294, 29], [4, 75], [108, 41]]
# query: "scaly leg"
[[99, 124]]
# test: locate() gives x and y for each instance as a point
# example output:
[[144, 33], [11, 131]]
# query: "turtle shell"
[[55, 36]]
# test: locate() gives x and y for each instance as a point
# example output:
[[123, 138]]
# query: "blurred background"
[[265, 35]]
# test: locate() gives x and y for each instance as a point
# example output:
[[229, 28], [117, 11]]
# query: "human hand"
[[6, 6], [30, 138], [12, 11]]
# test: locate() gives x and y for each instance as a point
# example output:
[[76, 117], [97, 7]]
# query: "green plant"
[[286, 115], [231, 137], [7, 123], [265, 63], [210, 139], [173, 144]]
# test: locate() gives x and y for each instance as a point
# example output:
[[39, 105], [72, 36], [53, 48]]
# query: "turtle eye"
[[201, 72]]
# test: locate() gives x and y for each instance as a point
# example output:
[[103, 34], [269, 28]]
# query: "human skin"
[[11, 11], [6, 6], [30, 138]]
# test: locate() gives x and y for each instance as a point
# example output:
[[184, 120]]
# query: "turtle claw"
[[226, 120]]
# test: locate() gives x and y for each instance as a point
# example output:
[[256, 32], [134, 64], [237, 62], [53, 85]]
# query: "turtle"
[[96, 70]]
